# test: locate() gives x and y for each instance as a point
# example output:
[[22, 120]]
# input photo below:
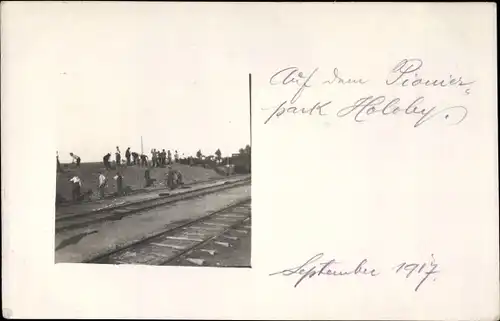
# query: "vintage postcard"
[[249, 161]]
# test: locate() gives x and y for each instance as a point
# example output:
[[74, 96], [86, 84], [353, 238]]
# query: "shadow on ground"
[[73, 240]]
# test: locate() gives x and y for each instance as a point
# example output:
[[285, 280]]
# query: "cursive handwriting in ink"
[[339, 80], [405, 74], [282, 109], [376, 105], [418, 269], [328, 268], [292, 75]]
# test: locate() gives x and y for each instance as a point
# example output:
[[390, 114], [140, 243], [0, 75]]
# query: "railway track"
[[75, 221], [179, 244]]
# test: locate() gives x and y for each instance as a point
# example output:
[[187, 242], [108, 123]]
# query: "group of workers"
[[158, 159], [118, 158], [76, 188], [173, 178]]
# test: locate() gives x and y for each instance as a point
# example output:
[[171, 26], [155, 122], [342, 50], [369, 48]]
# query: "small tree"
[[219, 155], [248, 149], [199, 154], [241, 151]]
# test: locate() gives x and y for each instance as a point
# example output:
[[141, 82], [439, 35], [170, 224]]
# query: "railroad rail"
[[178, 243], [75, 221]]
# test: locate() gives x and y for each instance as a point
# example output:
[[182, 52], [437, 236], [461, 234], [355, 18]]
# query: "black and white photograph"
[[155, 169], [249, 161]]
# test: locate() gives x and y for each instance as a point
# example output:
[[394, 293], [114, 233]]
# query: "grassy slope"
[[133, 176]]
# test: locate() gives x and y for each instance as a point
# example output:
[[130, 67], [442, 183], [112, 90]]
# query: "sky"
[[123, 76]]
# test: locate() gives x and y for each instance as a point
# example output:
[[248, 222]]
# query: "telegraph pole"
[[142, 147]]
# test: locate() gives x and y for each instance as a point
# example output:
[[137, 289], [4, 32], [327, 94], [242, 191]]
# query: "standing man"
[[170, 178], [127, 156], [163, 157], [76, 159], [102, 185], [118, 157], [153, 157], [75, 190], [147, 177], [119, 183], [169, 157], [105, 160], [176, 157], [159, 158]]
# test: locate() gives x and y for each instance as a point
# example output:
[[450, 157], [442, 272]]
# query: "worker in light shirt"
[[102, 185], [75, 190], [76, 159]]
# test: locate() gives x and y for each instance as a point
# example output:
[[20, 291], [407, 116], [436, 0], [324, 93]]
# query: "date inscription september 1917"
[[404, 74], [419, 272]]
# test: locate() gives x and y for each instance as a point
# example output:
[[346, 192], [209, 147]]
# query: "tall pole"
[[142, 147]]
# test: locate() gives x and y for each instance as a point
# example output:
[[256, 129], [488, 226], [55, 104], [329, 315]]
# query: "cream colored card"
[[374, 137]]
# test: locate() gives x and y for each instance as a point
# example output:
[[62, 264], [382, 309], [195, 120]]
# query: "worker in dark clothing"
[[158, 158], [163, 157], [144, 160], [118, 157], [153, 157], [119, 183], [179, 178], [147, 177], [105, 160], [127, 156], [135, 158], [170, 178]]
